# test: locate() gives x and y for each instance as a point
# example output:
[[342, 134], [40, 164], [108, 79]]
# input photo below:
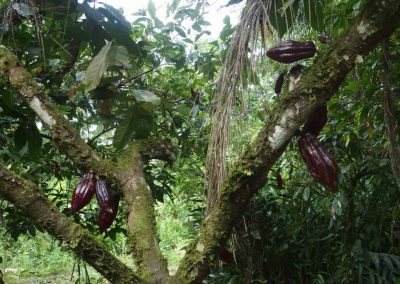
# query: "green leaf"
[[96, 69], [124, 132], [146, 96], [137, 124], [197, 27], [306, 194], [227, 20], [233, 2], [375, 259], [152, 9], [117, 56], [337, 206], [313, 13]]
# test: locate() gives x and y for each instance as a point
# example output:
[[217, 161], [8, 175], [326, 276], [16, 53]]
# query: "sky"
[[216, 11]]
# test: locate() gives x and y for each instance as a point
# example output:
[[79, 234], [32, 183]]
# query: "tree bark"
[[34, 205], [141, 222], [376, 22]]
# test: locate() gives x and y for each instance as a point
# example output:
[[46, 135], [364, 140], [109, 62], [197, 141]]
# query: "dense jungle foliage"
[[153, 79]]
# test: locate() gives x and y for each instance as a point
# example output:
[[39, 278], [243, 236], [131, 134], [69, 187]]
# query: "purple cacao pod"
[[321, 165], [279, 83], [291, 51], [316, 121], [83, 192], [107, 214], [103, 194]]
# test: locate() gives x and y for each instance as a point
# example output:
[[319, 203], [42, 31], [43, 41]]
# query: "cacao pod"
[[321, 165], [107, 214], [103, 194], [316, 121], [279, 182], [291, 51], [83, 192], [279, 83], [108, 205]]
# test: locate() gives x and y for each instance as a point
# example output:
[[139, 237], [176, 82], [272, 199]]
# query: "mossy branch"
[[376, 22], [63, 134], [142, 231], [34, 205]]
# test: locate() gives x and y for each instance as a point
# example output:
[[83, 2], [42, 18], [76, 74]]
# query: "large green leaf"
[[97, 68], [137, 124], [152, 9], [146, 96], [117, 56]]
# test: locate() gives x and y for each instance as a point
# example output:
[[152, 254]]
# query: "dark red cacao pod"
[[321, 165], [83, 192], [107, 214], [316, 121], [291, 51], [103, 194], [279, 83], [279, 181], [108, 205]]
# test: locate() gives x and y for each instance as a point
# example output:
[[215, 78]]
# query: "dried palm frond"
[[239, 60]]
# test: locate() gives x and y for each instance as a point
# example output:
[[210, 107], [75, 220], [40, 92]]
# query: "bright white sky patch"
[[216, 12]]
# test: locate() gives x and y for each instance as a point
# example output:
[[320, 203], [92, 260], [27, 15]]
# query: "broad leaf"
[[118, 56], [137, 124], [152, 9], [97, 68], [146, 96]]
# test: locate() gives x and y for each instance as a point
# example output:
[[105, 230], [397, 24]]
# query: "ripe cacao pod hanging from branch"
[[83, 192], [108, 205], [316, 121], [107, 215], [321, 165], [291, 51]]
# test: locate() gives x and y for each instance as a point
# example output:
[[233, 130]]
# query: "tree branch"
[[152, 266], [377, 21], [63, 134], [26, 196]]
